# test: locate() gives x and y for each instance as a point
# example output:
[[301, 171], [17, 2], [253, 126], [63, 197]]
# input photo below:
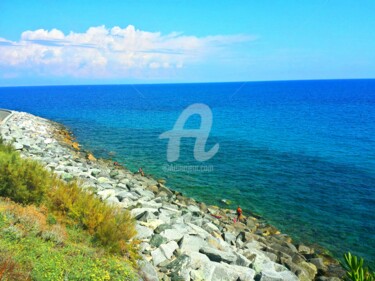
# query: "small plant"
[[56, 234], [12, 233], [356, 270]]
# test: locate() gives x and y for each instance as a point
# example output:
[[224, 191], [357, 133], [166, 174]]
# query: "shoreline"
[[180, 236]]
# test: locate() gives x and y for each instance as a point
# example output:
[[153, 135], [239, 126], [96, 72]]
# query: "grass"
[[53, 230]]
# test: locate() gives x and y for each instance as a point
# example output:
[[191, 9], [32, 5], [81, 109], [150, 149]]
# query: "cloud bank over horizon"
[[102, 52]]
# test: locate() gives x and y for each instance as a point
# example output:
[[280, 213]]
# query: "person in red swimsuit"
[[239, 213]]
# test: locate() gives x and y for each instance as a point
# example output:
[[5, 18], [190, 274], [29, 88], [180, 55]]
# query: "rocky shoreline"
[[181, 239]]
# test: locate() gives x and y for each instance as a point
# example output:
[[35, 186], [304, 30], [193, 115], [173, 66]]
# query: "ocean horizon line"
[[190, 83]]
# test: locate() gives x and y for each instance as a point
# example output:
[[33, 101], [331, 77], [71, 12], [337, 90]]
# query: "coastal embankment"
[[180, 238]]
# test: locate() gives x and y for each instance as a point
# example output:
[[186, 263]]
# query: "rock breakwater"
[[181, 239]]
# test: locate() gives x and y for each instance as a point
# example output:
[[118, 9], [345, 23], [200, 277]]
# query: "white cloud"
[[107, 52]]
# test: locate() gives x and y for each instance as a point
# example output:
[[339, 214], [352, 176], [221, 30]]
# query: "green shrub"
[[110, 226], [22, 180], [356, 270]]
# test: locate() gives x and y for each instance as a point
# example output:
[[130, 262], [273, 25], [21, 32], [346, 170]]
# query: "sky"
[[120, 42]]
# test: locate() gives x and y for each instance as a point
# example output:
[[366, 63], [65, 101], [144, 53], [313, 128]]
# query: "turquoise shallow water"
[[301, 154]]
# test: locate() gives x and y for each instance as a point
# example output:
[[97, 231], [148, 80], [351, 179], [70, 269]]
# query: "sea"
[[301, 154]]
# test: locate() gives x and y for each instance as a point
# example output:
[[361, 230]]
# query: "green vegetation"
[[52, 230], [356, 270], [22, 180]]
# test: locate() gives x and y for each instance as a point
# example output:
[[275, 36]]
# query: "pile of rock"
[[181, 239]]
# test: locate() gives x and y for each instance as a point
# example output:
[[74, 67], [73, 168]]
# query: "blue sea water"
[[299, 153]]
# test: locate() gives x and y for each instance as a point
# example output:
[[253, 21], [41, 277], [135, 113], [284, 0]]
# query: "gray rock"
[[83, 175], [225, 272], [230, 238], [125, 194], [95, 172], [310, 270], [239, 243], [144, 247], [288, 276], [251, 225], [165, 217], [192, 243], [202, 267], [180, 268], [210, 227], [143, 231], [104, 180], [162, 227], [323, 278], [218, 256], [242, 260], [281, 248], [194, 210], [254, 245], [318, 262], [163, 253], [177, 220], [187, 218], [67, 177], [165, 190], [112, 200], [197, 259], [257, 258], [298, 258], [147, 216], [126, 203], [271, 256], [17, 146], [291, 247], [104, 194], [137, 213], [113, 174], [157, 240], [147, 271], [304, 249], [169, 248], [106, 186], [122, 186], [170, 212], [144, 193], [150, 204], [194, 229], [172, 234], [270, 275], [125, 181], [158, 257], [273, 271], [196, 221]]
